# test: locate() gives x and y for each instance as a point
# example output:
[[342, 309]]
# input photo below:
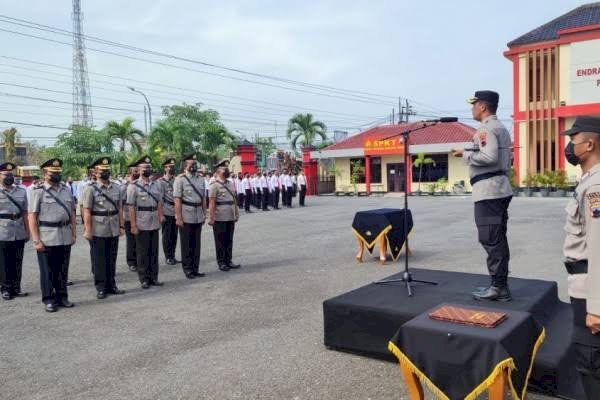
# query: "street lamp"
[[147, 102]]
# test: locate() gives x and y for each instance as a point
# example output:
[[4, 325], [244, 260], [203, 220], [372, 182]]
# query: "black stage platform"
[[364, 320]]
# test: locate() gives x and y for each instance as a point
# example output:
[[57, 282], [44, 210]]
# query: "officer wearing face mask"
[[169, 228], [488, 168], [582, 250], [130, 254], [14, 232], [223, 213], [53, 231], [103, 224], [189, 193]]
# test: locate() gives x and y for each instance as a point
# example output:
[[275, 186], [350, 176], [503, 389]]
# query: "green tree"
[[304, 129], [125, 133], [9, 137], [36, 153], [419, 162], [216, 143]]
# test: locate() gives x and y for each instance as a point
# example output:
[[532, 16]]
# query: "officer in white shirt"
[[247, 188], [289, 188], [264, 188], [275, 189], [302, 186]]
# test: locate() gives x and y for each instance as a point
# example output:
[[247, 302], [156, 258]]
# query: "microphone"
[[443, 120]]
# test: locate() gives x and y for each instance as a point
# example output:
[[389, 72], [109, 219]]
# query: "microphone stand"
[[407, 276]]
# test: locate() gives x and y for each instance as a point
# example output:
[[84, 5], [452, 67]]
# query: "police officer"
[[169, 229], [302, 185], [582, 250], [489, 162], [144, 198], [190, 209], [103, 224], [130, 254], [14, 232], [53, 231], [223, 213]]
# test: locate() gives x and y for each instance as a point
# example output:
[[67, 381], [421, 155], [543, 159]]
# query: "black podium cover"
[[368, 226], [458, 361]]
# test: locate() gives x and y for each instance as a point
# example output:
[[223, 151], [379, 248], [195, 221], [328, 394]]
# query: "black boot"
[[494, 293]]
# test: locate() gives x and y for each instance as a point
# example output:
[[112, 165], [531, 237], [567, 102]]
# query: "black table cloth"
[[368, 226]]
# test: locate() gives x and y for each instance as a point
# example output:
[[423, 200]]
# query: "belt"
[[171, 203], [54, 224], [487, 175], [225, 203], [14, 217], [189, 203], [146, 208], [105, 213], [577, 267]]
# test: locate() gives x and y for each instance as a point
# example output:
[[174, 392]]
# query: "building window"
[[20, 151], [431, 173], [359, 165]]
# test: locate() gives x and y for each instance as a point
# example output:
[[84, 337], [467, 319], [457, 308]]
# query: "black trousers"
[[223, 232], [276, 198], [265, 199], [302, 194], [587, 350], [130, 240], [104, 256], [146, 244], [169, 237], [288, 195], [258, 198], [240, 200], [11, 266], [491, 218], [54, 270], [190, 247], [247, 199]]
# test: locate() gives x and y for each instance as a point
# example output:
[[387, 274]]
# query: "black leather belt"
[[225, 203], [577, 267], [171, 203], [105, 213], [54, 224], [146, 208], [189, 203], [14, 217], [487, 175]]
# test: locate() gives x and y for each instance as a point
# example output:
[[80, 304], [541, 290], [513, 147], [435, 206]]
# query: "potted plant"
[[529, 182], [431, 188], [442, 186], [419, 162], [543, 181], [562, 183], [357, 169], [513, 182]]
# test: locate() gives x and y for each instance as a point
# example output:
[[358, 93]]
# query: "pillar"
[[247, 153], [310, 168], [368, 174]]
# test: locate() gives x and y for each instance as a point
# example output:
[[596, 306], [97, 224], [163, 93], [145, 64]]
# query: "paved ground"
[[252, 334]]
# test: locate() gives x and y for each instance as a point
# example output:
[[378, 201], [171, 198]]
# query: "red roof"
[[451, 132]]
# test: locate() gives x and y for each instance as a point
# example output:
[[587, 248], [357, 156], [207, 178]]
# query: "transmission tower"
[[82, 100]]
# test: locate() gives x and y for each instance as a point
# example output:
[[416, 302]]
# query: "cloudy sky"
[[435, 53]]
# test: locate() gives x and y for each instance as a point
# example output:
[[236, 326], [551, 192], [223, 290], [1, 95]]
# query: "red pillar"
[[310, 168], [247, 153], [368, 174]]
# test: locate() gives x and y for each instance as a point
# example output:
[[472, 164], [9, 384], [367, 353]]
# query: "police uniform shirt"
[[146, 220], [103, 225], [287, 180], [13, 229], [246, 184], [49, 210], [263, 182], [281, 181], [81, 188], [494, 144], [274, 181], [124, 207], [227, 211], [582, 241], [301, 180], [166, 186], [191, 214]]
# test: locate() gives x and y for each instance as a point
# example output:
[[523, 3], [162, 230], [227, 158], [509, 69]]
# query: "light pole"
[[147, 102]]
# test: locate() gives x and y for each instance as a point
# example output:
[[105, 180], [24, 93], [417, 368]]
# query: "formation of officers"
[[138, 209]]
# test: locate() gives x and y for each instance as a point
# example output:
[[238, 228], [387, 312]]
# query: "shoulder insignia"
[[482, 139], [594, 200]]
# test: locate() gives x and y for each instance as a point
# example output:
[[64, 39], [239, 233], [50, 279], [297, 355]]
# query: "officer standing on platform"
[[582, 250], [190, 210], [223, 213], [14, 232], [146, 215], [103, 222], [489, 165], [169, 229], [52, 207], [130, 254]]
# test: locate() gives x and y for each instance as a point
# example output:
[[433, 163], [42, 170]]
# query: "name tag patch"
[[594, 200]]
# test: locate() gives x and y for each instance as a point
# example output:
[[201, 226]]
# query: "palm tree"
[[216, 142], [124, 132], [304, 128], [9, 137], [419, 162]]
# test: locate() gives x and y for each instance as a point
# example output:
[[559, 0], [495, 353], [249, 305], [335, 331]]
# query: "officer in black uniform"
[[169, 229], [14, 232]]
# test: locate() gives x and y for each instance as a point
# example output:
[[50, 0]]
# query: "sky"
[[434, 53]]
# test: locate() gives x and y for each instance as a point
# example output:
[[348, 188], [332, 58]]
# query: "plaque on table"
[[468, 316]]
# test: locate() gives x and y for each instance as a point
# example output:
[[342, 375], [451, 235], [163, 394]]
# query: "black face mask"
[[570, 155], [147, 173], [105, 175], [55, 178], [226, 173], [135, 176], [193, 169], [9, 180]]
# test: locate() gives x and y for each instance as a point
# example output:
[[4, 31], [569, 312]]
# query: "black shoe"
[[101, 295], [66, 304], [69, 283], [115, 291], [190, 275], [51, 308], [7, 296], [171, 261], [233, 266], [223, 267], [494, 293], [156, 283], [199, 274], [145, 285], [132, 268]]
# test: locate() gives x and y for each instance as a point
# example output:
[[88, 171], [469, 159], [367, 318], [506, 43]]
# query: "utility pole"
[[400, 112], [82, 100], [145, 122]]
